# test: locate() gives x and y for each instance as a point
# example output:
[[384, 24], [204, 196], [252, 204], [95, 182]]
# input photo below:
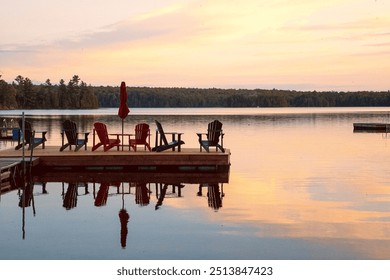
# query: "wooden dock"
[[371, 127], [10, 171], [122, 164], [7, 167]]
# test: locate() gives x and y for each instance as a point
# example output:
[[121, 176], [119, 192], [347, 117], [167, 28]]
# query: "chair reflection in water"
[[102, 194], [26, 195], [71, 194], [26, 198], [101, 200], [142, 194], [214, 195], [161, 192]]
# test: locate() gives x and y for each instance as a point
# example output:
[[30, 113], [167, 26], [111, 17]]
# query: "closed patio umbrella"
[[123, 108]]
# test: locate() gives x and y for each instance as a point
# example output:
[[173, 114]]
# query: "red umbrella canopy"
[[123, 109]]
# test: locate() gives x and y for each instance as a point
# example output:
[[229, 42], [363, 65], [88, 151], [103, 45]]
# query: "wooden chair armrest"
[[200, 135], [85, 133], [116, 134], [130, 135], [179, 134], [41, 131]]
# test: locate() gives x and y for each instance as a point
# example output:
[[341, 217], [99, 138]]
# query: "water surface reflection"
[[78, 214], [302, 185]]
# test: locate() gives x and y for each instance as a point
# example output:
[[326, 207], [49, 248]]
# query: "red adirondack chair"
[[105, 141], [141, 137]]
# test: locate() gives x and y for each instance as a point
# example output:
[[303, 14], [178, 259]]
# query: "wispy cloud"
[[215, 43]]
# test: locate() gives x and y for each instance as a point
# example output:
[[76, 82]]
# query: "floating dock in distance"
[[188, 160], [9, 133], [371, 127]]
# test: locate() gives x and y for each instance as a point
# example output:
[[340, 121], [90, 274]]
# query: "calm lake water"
[[302, 185]]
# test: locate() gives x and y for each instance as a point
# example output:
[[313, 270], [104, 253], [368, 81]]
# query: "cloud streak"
[[219, 43]]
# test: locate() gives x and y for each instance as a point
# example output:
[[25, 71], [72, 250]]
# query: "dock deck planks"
[[51, 157]]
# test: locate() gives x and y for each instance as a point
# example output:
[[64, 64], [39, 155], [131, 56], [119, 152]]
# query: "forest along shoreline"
[[76, 94]]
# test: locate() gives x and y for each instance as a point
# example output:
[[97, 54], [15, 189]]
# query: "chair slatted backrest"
[[101, 130], [141, 132], [214, 132], [70, 129], [161, 132], [28, 132]]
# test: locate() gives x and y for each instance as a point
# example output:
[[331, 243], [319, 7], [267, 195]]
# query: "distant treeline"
[[76, 94], [213, 97], [23, 94]]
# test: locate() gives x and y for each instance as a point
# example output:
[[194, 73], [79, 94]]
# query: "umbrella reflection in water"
[[124, 219]]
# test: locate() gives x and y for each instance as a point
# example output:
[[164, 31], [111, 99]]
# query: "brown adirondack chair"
[[105, 141], [162, 144], [214, 133], [27, 137], [141, 137], [69, 131]]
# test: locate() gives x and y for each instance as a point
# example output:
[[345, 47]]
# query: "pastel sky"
[[284, 44]]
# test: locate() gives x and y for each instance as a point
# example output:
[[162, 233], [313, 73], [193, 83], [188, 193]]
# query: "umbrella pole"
[[122, 135]]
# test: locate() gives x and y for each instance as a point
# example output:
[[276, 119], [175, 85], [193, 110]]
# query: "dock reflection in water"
[[91, 202]]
